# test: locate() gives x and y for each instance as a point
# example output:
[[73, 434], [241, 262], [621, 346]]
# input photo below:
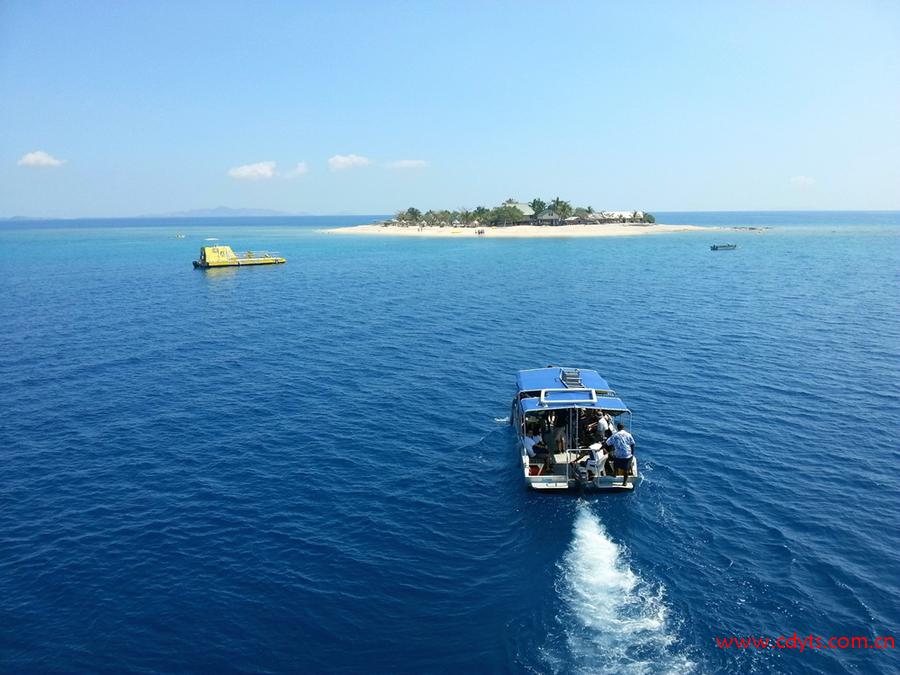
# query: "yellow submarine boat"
[[223, 256]]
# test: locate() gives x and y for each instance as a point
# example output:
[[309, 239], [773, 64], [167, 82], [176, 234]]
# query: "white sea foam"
[[501, 420], [613, 621]]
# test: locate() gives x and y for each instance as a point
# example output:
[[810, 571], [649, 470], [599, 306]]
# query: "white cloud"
[[258, 171], [803, 181], [299, 170], [40, 158], [341, 162], [407, 164]]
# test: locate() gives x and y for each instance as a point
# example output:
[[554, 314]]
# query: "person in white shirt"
[[604, 428], [610, 423], [534, 445]]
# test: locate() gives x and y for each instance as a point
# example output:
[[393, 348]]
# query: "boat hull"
[[561, 482], [244, 262], [594, 486]]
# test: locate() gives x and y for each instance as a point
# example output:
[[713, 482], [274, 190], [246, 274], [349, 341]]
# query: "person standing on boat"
[[622, 444], [610, 425], [555, 434], [604, 427]]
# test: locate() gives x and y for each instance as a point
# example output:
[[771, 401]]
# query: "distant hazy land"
[[217, 212]]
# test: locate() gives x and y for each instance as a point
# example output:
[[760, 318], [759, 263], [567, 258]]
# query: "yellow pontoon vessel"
[[223, 256]]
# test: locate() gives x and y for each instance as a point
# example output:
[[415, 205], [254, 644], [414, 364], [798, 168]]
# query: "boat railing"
[[257, 254]]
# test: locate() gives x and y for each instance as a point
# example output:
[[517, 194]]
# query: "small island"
[[537, 218]]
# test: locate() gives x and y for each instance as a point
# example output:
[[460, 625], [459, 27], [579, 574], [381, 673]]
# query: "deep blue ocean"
[[306, 467]]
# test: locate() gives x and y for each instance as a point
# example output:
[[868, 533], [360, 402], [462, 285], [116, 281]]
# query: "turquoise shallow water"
[[305, 467]]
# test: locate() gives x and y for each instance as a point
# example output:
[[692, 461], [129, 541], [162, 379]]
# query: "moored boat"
[[574, 411], [723, 247], [223, 256]]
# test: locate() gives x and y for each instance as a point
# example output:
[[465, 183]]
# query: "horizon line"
[[360, 214]]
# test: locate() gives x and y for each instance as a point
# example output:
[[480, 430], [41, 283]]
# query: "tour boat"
[[570, 408], [723, 247], [223, 256]]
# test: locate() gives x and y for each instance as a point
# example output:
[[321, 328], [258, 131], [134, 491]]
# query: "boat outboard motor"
[[593, 465], [597, 460]]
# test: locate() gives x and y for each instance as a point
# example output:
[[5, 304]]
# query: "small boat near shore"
[[723, 247], [223, 256], [572, 409]]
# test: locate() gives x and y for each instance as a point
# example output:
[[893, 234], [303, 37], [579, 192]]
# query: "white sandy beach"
[[523, 231]]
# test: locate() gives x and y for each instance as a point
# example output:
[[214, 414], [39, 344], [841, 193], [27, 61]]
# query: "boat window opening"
[[536, 423]]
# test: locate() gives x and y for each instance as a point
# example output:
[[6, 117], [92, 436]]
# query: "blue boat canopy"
[[555, 387], [551, 377]]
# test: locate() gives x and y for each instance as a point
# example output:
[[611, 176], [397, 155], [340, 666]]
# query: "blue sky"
[[367, 107]]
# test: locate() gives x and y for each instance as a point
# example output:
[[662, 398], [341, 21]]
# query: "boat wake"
[[502, 420], [613, 621]]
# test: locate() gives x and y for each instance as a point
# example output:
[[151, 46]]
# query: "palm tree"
[[537, 205], [563, 208], [481, 213]]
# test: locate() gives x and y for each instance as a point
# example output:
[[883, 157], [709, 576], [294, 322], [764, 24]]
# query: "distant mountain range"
[[218, 212], [221, 212]]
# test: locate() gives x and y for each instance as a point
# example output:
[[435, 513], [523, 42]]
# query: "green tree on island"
[[432, 217], [508, 213], [481, 214], [537, 205], [505, 215], [563, 208]]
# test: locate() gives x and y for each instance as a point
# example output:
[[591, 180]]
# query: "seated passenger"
[[595, 462], [534, 444]]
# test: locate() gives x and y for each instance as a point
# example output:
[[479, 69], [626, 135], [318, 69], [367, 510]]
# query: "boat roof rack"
[[571, 377]]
